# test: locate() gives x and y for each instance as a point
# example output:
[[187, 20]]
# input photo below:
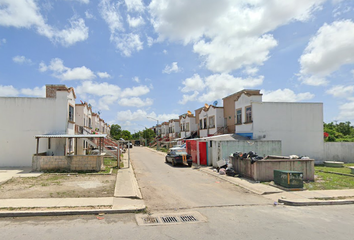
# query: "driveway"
[[165, 187]]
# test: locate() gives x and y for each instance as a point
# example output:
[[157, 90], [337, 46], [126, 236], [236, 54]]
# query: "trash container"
[[288, 179]]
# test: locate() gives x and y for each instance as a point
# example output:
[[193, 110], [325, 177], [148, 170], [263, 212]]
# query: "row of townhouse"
[[56, 122], [299, 126]]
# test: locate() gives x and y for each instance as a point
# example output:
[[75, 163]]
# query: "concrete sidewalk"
[[127, 198], [293, 198]]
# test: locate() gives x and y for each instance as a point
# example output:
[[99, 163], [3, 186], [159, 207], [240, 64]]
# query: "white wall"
[[23, 119], [339, 151], [218, 113], [298, 125]]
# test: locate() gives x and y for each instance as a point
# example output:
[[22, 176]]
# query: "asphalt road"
[[165, 187], [230, 212]]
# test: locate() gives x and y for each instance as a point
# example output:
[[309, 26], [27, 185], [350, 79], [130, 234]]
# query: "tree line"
[[117, 133]]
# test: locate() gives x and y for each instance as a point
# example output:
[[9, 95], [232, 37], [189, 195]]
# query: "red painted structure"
[[192, 149]]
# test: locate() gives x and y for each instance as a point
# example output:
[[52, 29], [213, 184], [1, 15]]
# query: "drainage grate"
[[169, 218], [188, 218], [150, 220]]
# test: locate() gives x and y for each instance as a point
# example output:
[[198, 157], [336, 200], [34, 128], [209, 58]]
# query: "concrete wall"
[[242, 103], [264, 170], [339, 151], [218, 114], [219, 150], [299, 126], [23, 119], [67, 163]]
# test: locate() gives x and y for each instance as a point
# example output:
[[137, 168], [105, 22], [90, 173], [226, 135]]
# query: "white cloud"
[[128, 43], [135, 91], [194, 83], [103, 75], [150, 41], [346, 111], [135, 102], [173, 68], [189, 98], [135, 22], [136, 79], [250, 71], [98, 89], [228, 34], [142, 115], [125, 42], [21, 59], [26, 14], [81, 1], [331, 48], [88, 15], [134, 5], [35, 92], [8, 91], [341, 91], [65, 73], [3, 40], [216, 86], [285, 95], [164, 51]]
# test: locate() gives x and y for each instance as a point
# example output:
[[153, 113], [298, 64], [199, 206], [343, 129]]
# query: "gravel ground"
[[52, 185]]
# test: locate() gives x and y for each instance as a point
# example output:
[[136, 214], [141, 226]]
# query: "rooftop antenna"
[[215, 103]]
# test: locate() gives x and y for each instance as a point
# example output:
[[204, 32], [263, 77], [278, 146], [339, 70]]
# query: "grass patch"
[[327, 181]]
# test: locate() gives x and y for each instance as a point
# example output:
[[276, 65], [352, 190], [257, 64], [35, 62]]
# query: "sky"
[[142, 61]]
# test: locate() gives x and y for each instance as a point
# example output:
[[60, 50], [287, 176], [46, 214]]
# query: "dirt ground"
[[52, 185]]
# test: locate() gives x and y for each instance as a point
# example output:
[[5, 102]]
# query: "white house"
[[27, 117], [95, 122], [299, 126], [187, 125], [211, 120], [164, 130], [174, 128]]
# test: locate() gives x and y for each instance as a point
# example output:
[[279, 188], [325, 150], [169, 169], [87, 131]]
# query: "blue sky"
[[134, 59]]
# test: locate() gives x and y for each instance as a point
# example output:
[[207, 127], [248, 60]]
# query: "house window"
[[238, 116], [212, 122], [205, 123], [200, 124], [187, 127], [71, 113], [90, 123], [248, 114], [48, 143]]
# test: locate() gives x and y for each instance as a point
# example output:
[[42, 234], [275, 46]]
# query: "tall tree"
[[116, 131]]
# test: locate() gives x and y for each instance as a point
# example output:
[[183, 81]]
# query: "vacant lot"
[[51, 185]]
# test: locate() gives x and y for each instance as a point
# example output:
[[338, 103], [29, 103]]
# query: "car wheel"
[[173, 163], [189, 164], [166, 159]]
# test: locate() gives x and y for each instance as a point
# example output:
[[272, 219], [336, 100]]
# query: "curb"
[[311, 202], [66, 212]]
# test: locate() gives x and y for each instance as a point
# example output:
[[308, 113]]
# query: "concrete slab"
[[252, 186], [126, 183], [7, 173], [126, 204]]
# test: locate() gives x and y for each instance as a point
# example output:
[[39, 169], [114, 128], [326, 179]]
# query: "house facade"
[[187, 125], [299, 126], [27, 117], [164, 130], [174, 128], [211, 120]]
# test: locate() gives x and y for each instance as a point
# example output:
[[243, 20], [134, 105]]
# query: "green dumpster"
[[288, 179]]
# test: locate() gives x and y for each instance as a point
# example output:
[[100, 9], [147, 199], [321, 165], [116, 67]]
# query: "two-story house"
[[26, 117], [299, 126], [165, 130], [211, 120], [188, 125], [174, 128]]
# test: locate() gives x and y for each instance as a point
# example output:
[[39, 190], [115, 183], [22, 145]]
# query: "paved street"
[[230, 212], [166, 187]]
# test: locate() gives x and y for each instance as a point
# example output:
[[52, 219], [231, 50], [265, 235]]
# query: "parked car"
[[177, 157], [179, 148]]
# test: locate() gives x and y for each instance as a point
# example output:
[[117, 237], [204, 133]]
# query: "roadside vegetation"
[[327, 178], [338, 132]]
